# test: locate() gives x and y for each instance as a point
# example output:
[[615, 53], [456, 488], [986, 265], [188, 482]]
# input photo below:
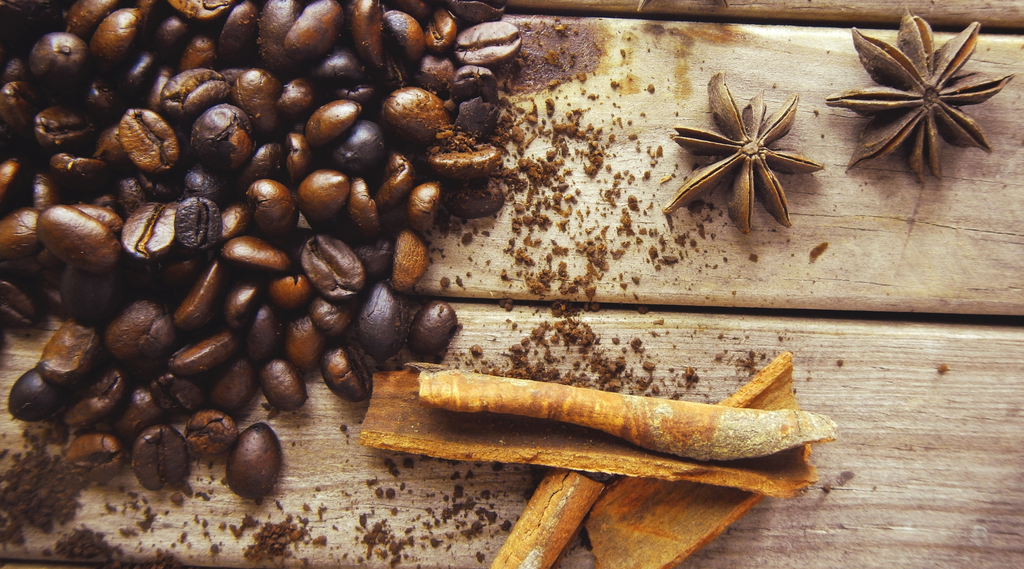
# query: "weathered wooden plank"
[[926, 472], [893, 244], [1003, 14]]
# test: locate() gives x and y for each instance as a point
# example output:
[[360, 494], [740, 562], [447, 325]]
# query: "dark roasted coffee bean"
[[189, 93], [362, 210], [59, 60], [249, 252], [160, 457], [234, 386], [115, 37], [84, 15], [290, 292], [474, 199], [433, 328], [304, 343], [368, 32], [70, 354], [435, 74], [203, 299], [480, 162], [332, 267], [32, 399], [341, 66], [331, 121], [273, 207], [364, 94], [298, 99], [149, 141], [238, 36], [160, 189], [78, 173], [476, 11], [235, 220], [399, 178], [314, 31], [104, 100], [98, 400], [96, 457], [197, 224], [141, 413], [141, 330], [45, 191], [422, 205], [477, 117], [441, 32], [153, 97], [405, 31], [415, 115], [383, 323], [110, 150], [320, 196], [102, 214], [265, 336], [60, 129], [255, 462], [148, 234], [90, 298], [411, 261], [221, 137], [204, 354], [276, 19], [362, 151], [171, 36], [266, 163], [16, 70], [137, 76], [78, 239], [488, 45], [332, 319], [202, 182], [256, 92], [202, 10], [200, 52], [345, 374], [19, 104], [176, 393], [298, 157], [282, 385], [18, 237], [241, 301], [210, 432]]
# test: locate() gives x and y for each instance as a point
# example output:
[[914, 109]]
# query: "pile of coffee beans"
[[224, 197]]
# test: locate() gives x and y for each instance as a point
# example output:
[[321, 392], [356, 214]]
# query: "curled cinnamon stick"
[[693, 430]]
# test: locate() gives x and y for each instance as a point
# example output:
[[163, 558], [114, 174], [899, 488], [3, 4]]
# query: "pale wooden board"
[[934, 460], [997, 13], [950, 245]]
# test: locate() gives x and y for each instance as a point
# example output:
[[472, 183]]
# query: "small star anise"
[[747, 135], [920, 94]]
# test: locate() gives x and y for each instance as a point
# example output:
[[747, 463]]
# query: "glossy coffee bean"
[[422, 206], [18, 237], [222, 137], [477, 117], [189, 93], [383, 323], [176, 393], [367, 29], [210, 432], [415, 115], [45, 191], [235, 221], [474, 199], [480, 162], [298, 157], [406, 33], [78, 239], [399, 179], [433, 328], [238, 35], [90, 298], [249, 252], [197, 224], [59, 60], [19, 104], [441, 32], [61, 129], [141, 67], [266, 163], [321, 195], [98, 400], [32, 399], [345, 374], [304, 343], [200, 52], [298, 99], [149, 141], [332, 268], [141, 330], [276, 20], [115, 37], [476, 11], [170, 38], [96, 457], [202, 302], [234, 385], [332, 319], [202, 182], [205, 353], [256, 92], [362, 151], [255, 463], [70, 354], [273, 207], [265, 336], [331, 121], [290, 292], [314, 31], [241, 301], [488, 45], [141, 413], [110, 150], [412, 259], [84, 15], [341, 66], [160, 457], [201, 10], [282, 385], [362, 210], [102, 214], [83, 175], [148, 234]]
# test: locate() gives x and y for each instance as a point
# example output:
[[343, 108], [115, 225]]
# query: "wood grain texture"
[[1003, 14], [927, 472], [890, 244]]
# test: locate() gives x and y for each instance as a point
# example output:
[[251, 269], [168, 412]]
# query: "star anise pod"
[[745, 140], [920, 96]]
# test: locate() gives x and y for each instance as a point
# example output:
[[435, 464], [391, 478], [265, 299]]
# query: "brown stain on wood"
[[555, 51]]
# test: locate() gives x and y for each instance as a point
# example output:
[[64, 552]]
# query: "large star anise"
[[920, 94], [747, 135]]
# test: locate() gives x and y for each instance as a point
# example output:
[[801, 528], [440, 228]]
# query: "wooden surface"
[[928, 472]]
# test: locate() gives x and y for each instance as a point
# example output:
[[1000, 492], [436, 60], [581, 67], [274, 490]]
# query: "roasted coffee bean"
[[411, 261], [102, 214], [98, 400], [290, 292], [399, 178], [435, 74], [255, 462], [341, 66], [441, 32], [189, 93], [210, 432], [203, 299], [249, 252], [141, 413], [332, 267], [200, 52], [377, 258], [488, 45], [362, 210], [202, 10], [205, 354], [60, 129], [235, 221], [332, 319], [149, 141], [45, 191], [383, 323], [84, 15], [266, 163], [170, 38], [59, 60], [415, 115], [234, 386], [256, 92], [364, 94], [137, 76], [477, 117], [183, 272], [238, 36], [70, 354], [90, 298], [78, 239], [362, 150], [476, 11], [474, 199], [221, 137], [298, 157], [148, 234], [18, 238], [314, 31], [273, 207], [345, 374], [304, 343], [19, 104], [115, 37], [368, 32], [78, 173], [480, 162], [96, 457], [240, 303], [282, 385], [433, 328], [422, 205], [320, 196], [110, 150], [141, 330], [265, 336], [176, 393], [405, 31], [32, 399], [276, 20], [298, 99], [202, 182], [331, 121], [197, 224], [160, 457]]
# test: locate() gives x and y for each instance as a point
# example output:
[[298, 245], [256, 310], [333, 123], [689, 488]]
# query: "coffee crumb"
[[943, 368], [83, 543], [37, 490], [818, 250]]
